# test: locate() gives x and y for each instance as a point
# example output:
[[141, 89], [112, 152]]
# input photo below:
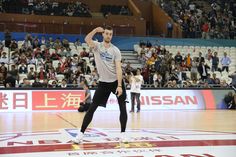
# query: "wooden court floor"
[[206, 120]]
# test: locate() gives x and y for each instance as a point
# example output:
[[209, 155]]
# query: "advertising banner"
[[167, 99]]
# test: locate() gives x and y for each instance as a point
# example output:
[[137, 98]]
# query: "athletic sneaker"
[[123, 138], [79, 138]]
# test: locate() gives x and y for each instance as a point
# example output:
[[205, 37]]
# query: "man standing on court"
[[135, 89], [108, 63]]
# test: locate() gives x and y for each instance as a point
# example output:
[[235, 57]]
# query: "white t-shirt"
[[105, 61], [136, 85]]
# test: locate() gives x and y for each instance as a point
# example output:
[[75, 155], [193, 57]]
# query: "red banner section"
[[57, 100]]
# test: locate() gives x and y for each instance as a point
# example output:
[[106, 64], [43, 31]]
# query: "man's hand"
[[99, 30], [119, 91]]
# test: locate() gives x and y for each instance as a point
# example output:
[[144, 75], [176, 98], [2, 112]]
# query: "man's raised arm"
[[89, 38]]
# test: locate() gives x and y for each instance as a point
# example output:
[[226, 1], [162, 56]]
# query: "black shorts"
[[104, 90]]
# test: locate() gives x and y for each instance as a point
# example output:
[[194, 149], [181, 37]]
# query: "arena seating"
[[72, 58]]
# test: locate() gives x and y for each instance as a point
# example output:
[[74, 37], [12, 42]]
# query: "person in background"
[[63, 83], [84, 105], [135, 90], [7, 36], [215, 62], [203, 70], [233, 76], [225, 61]]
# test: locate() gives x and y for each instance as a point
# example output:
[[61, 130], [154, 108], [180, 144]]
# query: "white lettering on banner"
[[162, 99]]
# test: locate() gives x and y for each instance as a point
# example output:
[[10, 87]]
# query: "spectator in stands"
[[172, 66], [27, 43], [188, 61], [45, 83], [14, 72], [215, 80], [42, 75], [59, 69], [203, 70], [31, 60], [22, 59], [1, 46], [39, 61], [223, 84], [25, 83], [94, 76], [10, 81], [65, 43], [54, 84], [74, 83], [148, 44], [169, 27], [74, 65], [178, 58], [4, 58], [77, 43], [143, 59], [200, 58], [37, 83], [2, 80], [233, 76], [209, 55], [57, 43], [84, 53], [215, 62], [51, 74], [225, 61], [23, 68], [94, 83], [48, 65], [229, 100], [36, 43], [43, 41], [13, 45], [85, 68], [123, 11], [209, 80], [157, 79], [7, 37], [32, 75], [128, 68], [63, 83]]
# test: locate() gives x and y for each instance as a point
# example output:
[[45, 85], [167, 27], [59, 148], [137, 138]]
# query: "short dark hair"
[[86, 84], [108, 28], [139, 69]]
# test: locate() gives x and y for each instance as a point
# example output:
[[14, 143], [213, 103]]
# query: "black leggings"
[[101, 95]]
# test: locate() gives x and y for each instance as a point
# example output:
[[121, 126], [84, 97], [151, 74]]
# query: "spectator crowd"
[[41, 62], [45, 8], [160, 68], [211, 19]]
